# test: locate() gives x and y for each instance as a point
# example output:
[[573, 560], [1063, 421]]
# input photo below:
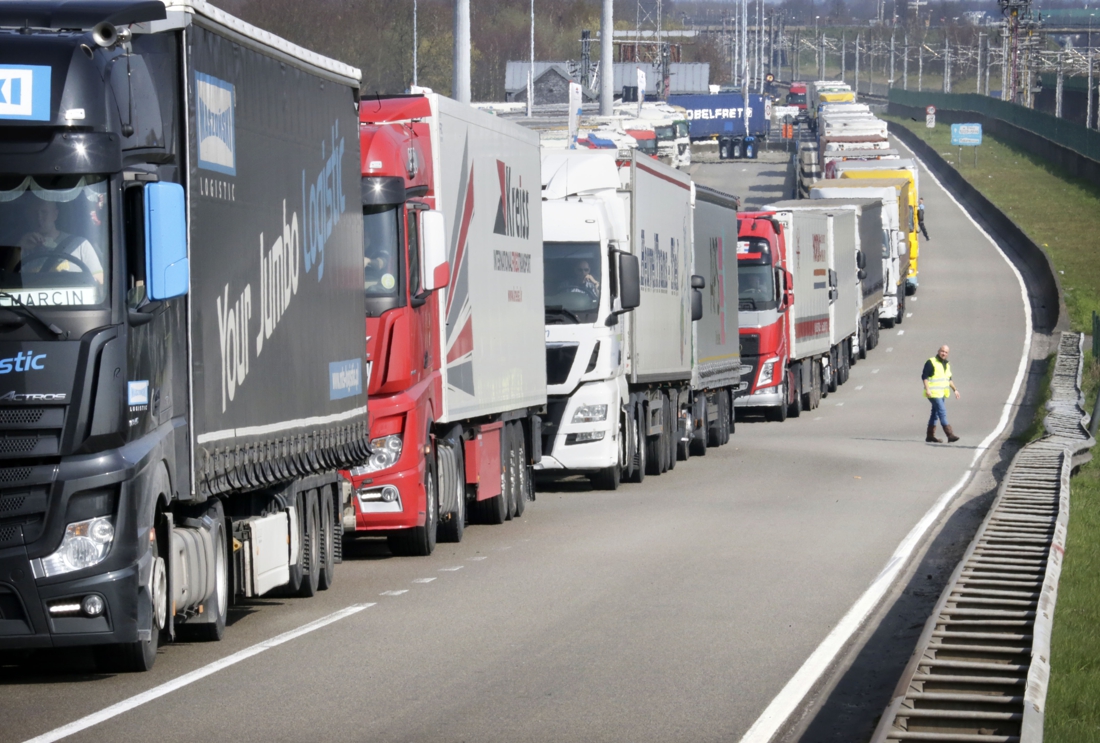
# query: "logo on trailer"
[[214, 125], [513, 212], [345, 379], [25, 92]]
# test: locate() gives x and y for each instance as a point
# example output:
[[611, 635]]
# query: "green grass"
[[1035, 430], [1058, 212], [1073, 697]]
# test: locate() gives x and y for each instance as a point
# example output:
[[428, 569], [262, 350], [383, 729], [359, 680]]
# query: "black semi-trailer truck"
[[181, 321]]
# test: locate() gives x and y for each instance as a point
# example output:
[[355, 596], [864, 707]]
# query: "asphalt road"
[[671, 611]]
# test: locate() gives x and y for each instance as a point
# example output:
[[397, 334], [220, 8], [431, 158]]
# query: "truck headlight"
[[86, 543], [767, 371], [385, 451], [590, 414]]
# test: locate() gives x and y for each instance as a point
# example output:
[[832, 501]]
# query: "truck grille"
[[18, 444], [14, 474], [559, 361], [20, 416], [555, 412], [750, 344]]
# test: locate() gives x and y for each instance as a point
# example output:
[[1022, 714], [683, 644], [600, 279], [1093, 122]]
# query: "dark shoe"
[[951, 437], [930, 438]]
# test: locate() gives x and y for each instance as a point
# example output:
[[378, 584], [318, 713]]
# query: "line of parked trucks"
[[197, 216]]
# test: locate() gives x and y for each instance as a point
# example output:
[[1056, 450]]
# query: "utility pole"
[[857, 66], [978, 66], [920, 68], [905, 66], [1058, 91], [946, 66], [1088, 112], [461, 78], [531, 70], [988, 61], [821, 57], [607, 75], [892, 78], [414, 42], [843, 54]]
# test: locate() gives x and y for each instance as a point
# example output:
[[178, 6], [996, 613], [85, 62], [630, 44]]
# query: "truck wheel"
[[641, 463], [795, 408], [419, 541], [673, 437], [311, 547], [508, 481], [834, 370], [698, 445], [714, 429], [607, 479], [453, 528], [328, 539], [520, 472], [724, 407], [779, 413], [139, 657], [901, 308], [862, 343]]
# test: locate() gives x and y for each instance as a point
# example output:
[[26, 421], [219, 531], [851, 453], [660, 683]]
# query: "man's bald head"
[[942, 353]]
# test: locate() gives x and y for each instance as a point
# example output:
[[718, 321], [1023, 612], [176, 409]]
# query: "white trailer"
[[896, 257]]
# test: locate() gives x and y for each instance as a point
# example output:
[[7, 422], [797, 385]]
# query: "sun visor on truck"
[[379, 190]]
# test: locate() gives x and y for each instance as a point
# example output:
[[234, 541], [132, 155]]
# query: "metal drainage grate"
[[981, 666]]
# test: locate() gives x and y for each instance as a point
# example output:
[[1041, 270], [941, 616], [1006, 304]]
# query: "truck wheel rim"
[[159, 589]]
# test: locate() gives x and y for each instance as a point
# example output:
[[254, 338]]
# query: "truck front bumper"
[[582, 446], [393, 500], [37, 611], [769, 397]]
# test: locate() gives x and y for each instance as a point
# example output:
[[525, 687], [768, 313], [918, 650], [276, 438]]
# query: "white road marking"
[[839, 404], [817, 418], [791, 697], [423, 580], [914, 299], [890, 350], [908, 314], [859, 387], [450, 570], [874, 371], [901, 332], [480, 557], [189, 678], [394, 593]]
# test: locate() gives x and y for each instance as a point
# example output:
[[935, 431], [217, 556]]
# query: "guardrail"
[[982, 664]]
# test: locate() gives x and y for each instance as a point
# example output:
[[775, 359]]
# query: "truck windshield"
[[571, 281], [795, 99], [665, 133], [647, 146], [54, 240], [755, 277], [382, 259], [681, 129]]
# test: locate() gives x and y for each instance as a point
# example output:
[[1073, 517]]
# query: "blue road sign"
[[966, 135]]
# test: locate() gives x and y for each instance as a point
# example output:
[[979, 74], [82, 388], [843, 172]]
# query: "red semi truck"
[[799, 288], [455, 358]]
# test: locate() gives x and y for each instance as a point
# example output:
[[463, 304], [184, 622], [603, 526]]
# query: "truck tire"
[[862, 342], [453, 525], [795, 408], [698, 445], [834, 370], [901, 308], [520, 448], [640, 460], [779, 412], [727, 415], [328, 539], [673, 439], [607, 479], [139, 657], [419, 541], [311, 547], [714, 429]]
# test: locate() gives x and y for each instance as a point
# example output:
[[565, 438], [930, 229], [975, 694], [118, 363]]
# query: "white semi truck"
[[618, 237]]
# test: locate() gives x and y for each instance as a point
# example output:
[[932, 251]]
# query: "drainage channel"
[[981, 665]]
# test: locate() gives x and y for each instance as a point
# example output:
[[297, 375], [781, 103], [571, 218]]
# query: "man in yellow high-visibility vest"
[[937, 387]]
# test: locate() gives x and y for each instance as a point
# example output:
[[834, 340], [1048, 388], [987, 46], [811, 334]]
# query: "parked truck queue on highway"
[[195, 416]]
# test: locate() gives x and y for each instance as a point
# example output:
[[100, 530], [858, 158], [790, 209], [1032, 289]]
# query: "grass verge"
[[1057, 211], [1062, 214]]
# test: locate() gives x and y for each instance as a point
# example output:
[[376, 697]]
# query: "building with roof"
[[684, 77]]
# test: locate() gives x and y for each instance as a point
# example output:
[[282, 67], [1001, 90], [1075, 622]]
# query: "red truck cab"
[[404, 388], [797, 96], [764, 301]]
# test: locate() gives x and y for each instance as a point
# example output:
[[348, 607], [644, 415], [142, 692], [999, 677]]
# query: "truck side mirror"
[[167, 266], [861, 262], [630, 281], [434, 268], [698, 282]]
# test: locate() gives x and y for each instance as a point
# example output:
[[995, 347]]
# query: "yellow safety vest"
[[939, 384]]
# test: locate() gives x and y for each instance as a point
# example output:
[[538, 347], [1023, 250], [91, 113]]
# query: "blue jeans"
[[939, 410]]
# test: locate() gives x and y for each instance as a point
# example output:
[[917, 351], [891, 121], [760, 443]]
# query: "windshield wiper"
[[557, 309], [746, 301], [19, 303]]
